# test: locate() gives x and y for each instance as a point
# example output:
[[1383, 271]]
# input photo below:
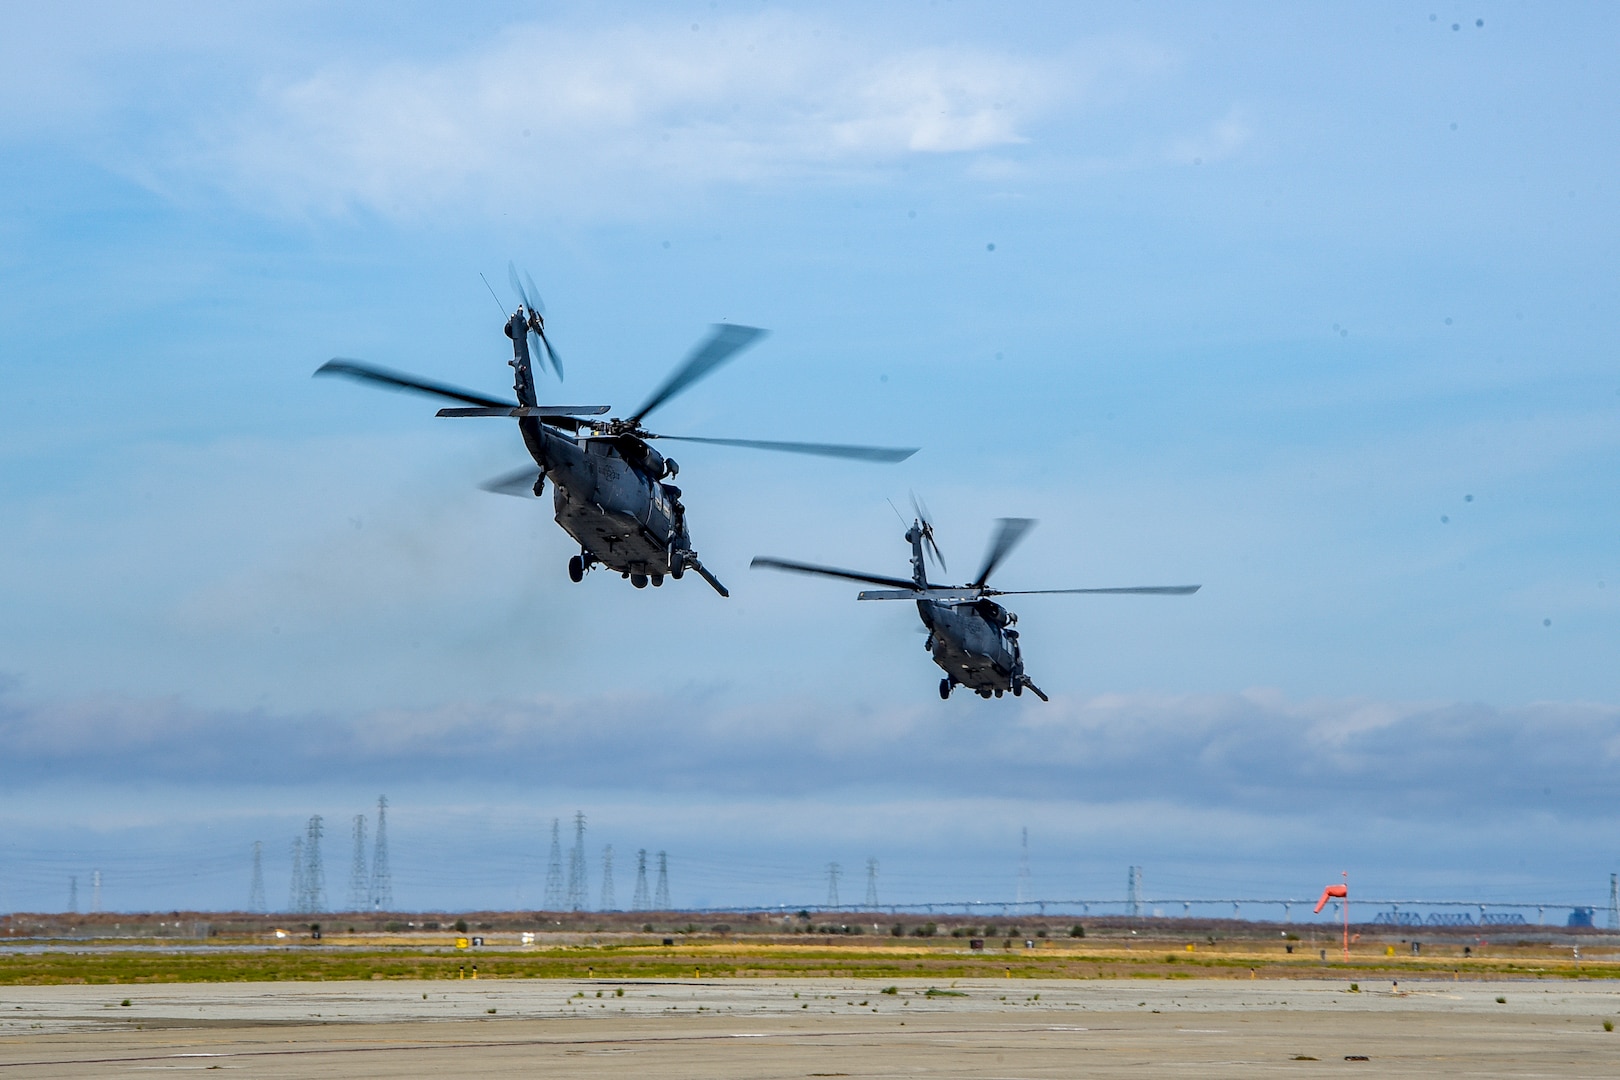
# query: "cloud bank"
[[1255, 752]]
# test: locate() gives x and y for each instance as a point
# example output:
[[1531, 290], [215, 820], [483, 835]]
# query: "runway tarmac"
[[814, 1028]]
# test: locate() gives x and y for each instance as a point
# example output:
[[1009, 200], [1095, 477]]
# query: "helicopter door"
[[657, 508]]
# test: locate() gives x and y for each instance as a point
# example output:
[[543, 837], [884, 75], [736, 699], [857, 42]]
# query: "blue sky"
[[1312, 306]]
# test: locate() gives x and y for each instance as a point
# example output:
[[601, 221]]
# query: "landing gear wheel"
[[1018, 689], [677, 564], [984, 692], [639, 580], [576, 569], [945, 689], [998, 691], [658, 581]]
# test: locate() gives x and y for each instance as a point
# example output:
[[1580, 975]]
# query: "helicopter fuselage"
[[620, 512], [975, 647]]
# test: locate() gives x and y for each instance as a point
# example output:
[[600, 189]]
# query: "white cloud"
[[542, 114]]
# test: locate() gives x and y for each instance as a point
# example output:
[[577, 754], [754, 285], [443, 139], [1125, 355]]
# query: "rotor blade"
[[536, 304], [517, 286], [1133, 590], [545, 412], [933, 592], [556, 361], [829, 571], [1009, 532], [724, 342], [354, 369], [519, 482], [834, 450]]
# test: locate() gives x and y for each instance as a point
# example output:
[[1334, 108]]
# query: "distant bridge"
[[1382, 912]]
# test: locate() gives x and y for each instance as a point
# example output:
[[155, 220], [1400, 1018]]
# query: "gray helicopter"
[[609, 489], [970, 636]]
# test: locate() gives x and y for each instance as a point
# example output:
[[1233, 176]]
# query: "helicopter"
[[609, 485], [970, 636]]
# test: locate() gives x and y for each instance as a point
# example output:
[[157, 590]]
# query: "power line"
[[73, 895], [382, 878], [661, 896], [833, 870], [359, 880], [641, 901], [1133, 891], [554, 875], [95, 890], [609, 903], [871, 885], [256, 887]]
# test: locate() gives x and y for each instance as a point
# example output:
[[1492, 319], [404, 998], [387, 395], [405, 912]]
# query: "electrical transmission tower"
[[256, 886], [1133, 891], [577, 898], [295, 890], [314, 869], [382, 878], [554, 875], [1024, 891], [661, 895], [641, 901], [1614, 901], [871, 885], [609, 902], [833, 870], [95, 890], [73, 894], [359, 880]]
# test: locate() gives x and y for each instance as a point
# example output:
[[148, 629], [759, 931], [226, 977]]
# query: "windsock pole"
[[1346, 875]]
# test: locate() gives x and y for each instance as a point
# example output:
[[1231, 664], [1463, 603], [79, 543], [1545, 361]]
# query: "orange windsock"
[[1329, 892]]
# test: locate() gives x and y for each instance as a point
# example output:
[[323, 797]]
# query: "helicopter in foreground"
[[970, 636], [610, 493]]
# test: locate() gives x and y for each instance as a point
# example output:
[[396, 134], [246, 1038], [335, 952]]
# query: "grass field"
[[364, 957]]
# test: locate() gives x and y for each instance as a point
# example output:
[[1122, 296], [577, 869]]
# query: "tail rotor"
[[926, 524], [536, 309]]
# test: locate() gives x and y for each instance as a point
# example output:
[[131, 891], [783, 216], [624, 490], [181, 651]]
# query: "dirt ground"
[[814, 1028]]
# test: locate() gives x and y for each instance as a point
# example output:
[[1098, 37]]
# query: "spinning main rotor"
[[724, 342], [1009, 533]]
